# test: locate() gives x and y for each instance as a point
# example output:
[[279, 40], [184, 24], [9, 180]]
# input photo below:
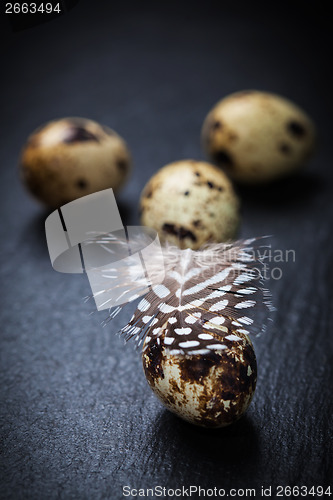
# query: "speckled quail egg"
[[73, 157], [190, 203], [258, 136], [210, 390]]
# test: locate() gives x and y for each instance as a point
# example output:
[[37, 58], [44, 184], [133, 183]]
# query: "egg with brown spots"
[[257, 137], [212, 390], [190, 203], [73, 157]]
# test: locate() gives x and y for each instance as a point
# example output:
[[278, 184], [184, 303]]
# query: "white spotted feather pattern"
[[207, 295]]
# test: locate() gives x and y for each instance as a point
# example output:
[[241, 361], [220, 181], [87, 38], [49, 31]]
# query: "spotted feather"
[[206, 298]]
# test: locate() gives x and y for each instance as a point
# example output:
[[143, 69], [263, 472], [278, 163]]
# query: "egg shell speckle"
[[73, 157], [257, 137], [190, 203], [212, 390]]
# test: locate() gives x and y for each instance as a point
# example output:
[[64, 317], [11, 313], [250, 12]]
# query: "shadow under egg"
[[292, 191], [230, 446], [33, 237]]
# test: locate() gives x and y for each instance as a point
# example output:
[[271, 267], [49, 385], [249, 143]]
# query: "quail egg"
[[190, 203], [257, 136], [73, 157], [212, 390]]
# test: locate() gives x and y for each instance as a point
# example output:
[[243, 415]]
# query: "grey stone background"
[[78, 420]]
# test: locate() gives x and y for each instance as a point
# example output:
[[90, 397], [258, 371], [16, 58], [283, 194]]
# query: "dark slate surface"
[[78, 420]]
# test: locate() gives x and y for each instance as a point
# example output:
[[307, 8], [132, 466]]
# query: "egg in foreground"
[[258, 137], [190, 203], [72, 157], [209, 390]]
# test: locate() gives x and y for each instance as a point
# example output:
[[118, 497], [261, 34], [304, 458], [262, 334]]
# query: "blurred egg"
[[190, 203], [73, 157], [257, 136]]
